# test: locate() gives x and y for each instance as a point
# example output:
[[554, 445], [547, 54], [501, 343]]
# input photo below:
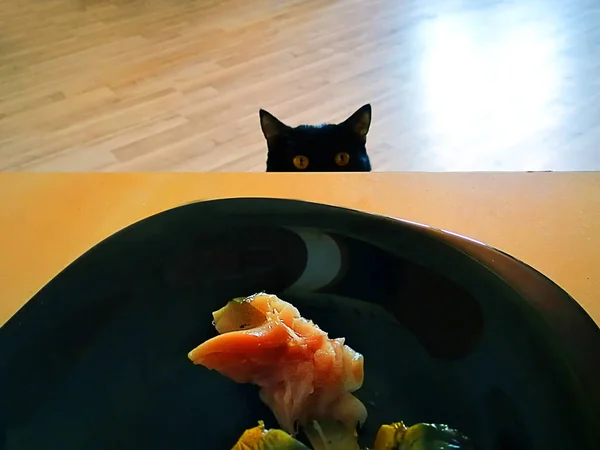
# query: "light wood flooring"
[[175, 85]]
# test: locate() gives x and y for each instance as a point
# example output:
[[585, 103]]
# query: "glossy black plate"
[[453, 331]]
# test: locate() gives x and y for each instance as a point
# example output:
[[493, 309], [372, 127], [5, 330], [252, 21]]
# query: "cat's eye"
[[342, 159], [300, 162]]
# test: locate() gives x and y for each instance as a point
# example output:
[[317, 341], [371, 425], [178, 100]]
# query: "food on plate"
[[259, 438], [395, 436], [422, 436], [305, 378]]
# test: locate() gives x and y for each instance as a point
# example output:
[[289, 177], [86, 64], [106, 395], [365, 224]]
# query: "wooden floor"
[[177, 84]]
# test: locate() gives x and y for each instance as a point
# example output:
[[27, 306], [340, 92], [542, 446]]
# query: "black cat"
[[318, 148]]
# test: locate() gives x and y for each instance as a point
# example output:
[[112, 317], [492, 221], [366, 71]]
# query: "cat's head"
[[321, 148]]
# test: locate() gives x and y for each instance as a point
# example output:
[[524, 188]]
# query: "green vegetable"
[[422, 436], [259, 438]]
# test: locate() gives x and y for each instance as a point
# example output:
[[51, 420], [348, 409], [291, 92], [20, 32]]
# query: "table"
[[549, 220]]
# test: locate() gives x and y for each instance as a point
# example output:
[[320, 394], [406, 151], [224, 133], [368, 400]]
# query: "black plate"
[[452, 331]]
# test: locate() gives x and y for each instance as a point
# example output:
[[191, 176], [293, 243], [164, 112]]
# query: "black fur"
[[320, 146]]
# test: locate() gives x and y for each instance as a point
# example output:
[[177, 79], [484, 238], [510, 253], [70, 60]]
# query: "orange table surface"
[[549, 220]]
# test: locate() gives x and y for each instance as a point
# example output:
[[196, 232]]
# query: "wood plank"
[[455, 86]]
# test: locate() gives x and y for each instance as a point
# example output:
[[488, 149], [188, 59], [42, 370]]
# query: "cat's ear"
[[360, 121], [271, 126]]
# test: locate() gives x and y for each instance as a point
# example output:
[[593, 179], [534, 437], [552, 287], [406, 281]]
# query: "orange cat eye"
[[300, 162], [342, 159]]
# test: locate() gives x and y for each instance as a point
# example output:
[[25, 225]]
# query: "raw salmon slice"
[[303, 375]]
